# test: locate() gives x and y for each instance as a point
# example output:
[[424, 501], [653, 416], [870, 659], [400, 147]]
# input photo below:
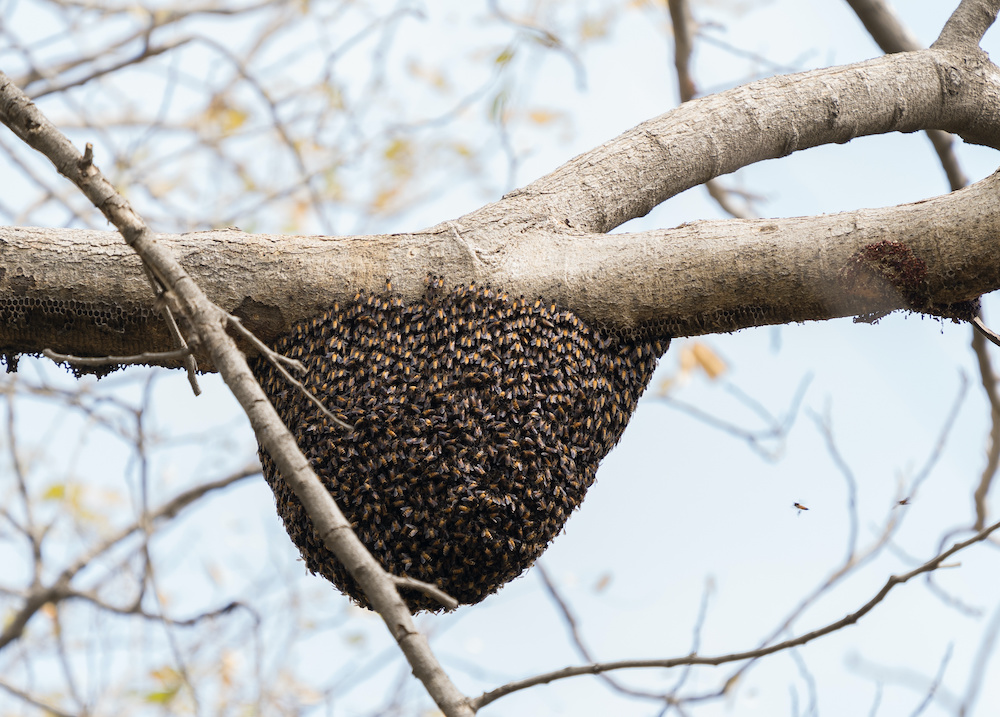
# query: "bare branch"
[[825, 425], [279, 362], [24, 696], [698, 278], [711, 136], [432, 591], [885, 27], [165, 358], [990, 386], [986, 647], [968, 23], [933, 688], [977, 322], [60, 588], [892, 36], [684, 30], [209, 322], [594, 669]]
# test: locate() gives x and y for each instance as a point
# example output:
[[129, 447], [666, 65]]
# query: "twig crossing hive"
[[479, 421]]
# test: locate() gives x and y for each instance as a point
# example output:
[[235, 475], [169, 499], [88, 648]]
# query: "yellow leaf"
[[384, 199], [708, 360], [233, 119], [398, 149], [430, 75], [161, 697], [542, 116], [355, 639], [506, 56], [602, 583], [55, 492], [594, 28]]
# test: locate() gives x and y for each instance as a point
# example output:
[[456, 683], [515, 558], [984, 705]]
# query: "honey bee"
[[469, 407]]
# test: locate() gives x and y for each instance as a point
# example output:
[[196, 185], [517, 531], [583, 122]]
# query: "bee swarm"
[[479, 421]]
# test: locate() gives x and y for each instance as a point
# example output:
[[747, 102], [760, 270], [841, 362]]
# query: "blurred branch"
[[986, 647], [147, 52], [775, 432], [24, 696], [935, 684], [989, 381], [581, 647], [854, 559], [684, 31], [60, 588], [825, 425], [892, 36]]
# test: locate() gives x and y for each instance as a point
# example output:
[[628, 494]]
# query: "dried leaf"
[[709, 361]]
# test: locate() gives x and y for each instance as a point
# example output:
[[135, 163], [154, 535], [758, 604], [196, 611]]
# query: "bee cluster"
[[479, 421]]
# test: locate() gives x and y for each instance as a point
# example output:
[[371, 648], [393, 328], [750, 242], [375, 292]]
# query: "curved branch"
[[882, 23], [710, 136], [968, 24]]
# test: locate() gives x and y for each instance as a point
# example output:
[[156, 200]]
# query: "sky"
[[682, 510]]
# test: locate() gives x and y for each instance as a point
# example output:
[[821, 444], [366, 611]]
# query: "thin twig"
[[938, 678], [28, 123], [977, 321], [850, 619], [277, 360], [988, 378], [24, 696], [581, 647], [160, 358], [190, 364], [61, 587], [431, 591], [825, 425]]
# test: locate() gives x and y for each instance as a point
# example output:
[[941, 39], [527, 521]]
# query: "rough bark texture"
[[698, 278]]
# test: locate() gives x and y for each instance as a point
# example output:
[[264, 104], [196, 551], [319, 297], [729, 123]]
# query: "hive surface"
[[479, 421]]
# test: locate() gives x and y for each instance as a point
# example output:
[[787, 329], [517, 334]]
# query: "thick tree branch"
[[710, 136], [699, 278], [968, 24]]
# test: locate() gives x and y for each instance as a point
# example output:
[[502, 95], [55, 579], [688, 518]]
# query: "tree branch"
[[209, 325], [60, 588], [892, 36], [968, 24], [593, 669], [699, 278], [710, 136]]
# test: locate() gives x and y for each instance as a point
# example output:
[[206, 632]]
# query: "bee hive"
[[479, 421]]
